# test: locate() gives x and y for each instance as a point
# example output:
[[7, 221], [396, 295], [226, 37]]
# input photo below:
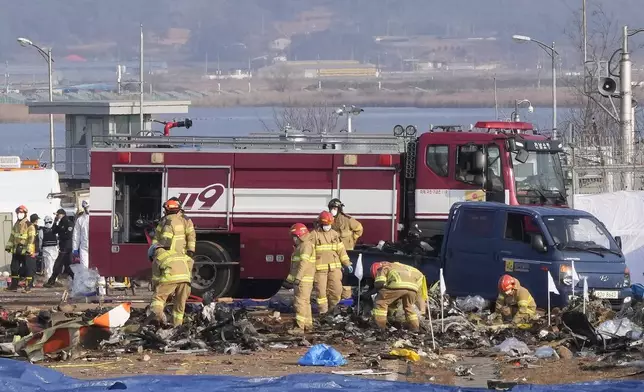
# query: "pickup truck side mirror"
[[618, 239], [538, 243]]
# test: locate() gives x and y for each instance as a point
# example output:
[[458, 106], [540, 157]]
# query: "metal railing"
[[69, 162]]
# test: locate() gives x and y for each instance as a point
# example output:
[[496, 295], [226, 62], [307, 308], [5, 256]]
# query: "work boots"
[[14, 284]]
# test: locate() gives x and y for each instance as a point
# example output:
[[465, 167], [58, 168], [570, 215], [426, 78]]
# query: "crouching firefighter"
[[398, 282], [514, 302], [301, 277], [172, 263]]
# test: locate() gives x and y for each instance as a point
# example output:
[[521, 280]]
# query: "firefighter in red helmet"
[[398, 282], [350, 231], [172, 258], [330, 257], [301, 277], [514, 302]]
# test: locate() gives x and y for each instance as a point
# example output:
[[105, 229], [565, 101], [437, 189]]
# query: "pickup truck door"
[[519, 259], [470, 266]]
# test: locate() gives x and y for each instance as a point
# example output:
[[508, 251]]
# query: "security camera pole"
[[625, 107], [517, 102]]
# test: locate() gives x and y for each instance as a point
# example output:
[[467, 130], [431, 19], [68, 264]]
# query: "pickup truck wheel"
[[207, 276]]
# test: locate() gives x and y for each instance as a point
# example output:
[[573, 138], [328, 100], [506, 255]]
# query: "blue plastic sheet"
[[322, 355], [24, 377]]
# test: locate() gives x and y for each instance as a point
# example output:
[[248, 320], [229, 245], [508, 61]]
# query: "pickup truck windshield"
[[580, 233], [540, 179]]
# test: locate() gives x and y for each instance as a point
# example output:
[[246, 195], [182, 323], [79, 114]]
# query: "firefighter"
[[80, 242], [301, 277], [63, 227], [348, 228], [18, 246], [48, 247], [330, 256], [514, 302], [396, 281], [173, 254]]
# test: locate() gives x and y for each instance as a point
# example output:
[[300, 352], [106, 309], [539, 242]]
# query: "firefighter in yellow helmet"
[[350, 231], [301, 277], [22, 247], [330, 257], [514, 302], [172, 255], [396, 281]]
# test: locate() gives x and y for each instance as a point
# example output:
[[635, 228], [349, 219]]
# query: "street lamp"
[[517, 102], [553, 55], [349, 112], [47, 56]]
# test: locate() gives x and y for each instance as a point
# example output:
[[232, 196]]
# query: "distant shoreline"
[[17, 113]]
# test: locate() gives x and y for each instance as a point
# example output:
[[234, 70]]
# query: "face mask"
[[296, 240], [326, 228], [21, 216], [334, 212], [48, 225], [87, 209]]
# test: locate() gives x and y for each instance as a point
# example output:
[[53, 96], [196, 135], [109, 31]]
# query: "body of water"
[[25, 139]]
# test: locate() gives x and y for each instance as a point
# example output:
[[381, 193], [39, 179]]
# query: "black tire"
[[207, 277]]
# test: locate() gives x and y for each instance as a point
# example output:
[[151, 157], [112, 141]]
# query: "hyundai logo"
[[603, 278]]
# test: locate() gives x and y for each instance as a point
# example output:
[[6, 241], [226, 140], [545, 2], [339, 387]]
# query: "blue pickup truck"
[[484, 240]]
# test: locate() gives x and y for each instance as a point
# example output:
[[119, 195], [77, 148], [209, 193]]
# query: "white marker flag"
[[551, 285], [358, 272], [442, 283]]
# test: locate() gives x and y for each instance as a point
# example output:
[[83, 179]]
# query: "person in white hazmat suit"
[[48, 247], [80, 241]]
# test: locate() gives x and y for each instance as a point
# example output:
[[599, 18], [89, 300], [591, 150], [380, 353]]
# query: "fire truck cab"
[[243, 193]]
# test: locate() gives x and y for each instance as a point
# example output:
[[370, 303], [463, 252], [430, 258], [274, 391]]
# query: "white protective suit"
[[81, 238], [49, 256]]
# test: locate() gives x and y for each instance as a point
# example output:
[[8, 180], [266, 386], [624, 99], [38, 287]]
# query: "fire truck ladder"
[[291, 142]]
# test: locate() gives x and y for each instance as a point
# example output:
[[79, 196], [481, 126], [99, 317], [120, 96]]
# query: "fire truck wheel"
[[206, 275]]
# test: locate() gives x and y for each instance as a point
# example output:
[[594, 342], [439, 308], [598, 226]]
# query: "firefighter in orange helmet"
[[330, 256], [350, 231], [301, 277], [22, 247], [514, 302], [172, 256], [398, 282]]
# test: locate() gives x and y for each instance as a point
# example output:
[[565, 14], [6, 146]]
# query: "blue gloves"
[[76, 253], [151, 250], [350, 269]]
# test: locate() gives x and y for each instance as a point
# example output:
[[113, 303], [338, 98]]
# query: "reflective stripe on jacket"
[[18, 237], [349, 229], [303, 261], [173, 263], [329, 250], [397, 276]]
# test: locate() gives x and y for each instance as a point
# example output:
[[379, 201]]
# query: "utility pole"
[[52, 153], [141, 83], [626, 109], [6, 77], [584, 30], [553, 54]]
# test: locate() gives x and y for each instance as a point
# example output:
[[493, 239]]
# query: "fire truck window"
[[438, 159], [137, 205], [464, 161], [493, 173]]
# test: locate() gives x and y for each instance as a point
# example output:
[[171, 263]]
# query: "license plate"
[[606, 294]]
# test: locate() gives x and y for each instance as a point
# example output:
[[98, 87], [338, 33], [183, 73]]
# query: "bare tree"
[[317, 118], [280, 78]]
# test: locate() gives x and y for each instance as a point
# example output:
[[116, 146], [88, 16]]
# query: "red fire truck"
[[244, 192]]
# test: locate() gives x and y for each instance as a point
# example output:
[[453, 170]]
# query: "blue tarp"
[[24, 377]]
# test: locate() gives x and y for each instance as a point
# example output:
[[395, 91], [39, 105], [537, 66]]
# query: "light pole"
[[349, 112], [553, 55], [517, 102], [47, 56]]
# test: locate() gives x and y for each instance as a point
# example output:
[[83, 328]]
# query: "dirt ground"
[[278, 361]]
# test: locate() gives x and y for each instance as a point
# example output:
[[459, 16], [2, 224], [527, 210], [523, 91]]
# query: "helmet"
[[335, 203], [172, 205], [20, 209], [325, 218], [299, 230], [375, 267], [506, 283]]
